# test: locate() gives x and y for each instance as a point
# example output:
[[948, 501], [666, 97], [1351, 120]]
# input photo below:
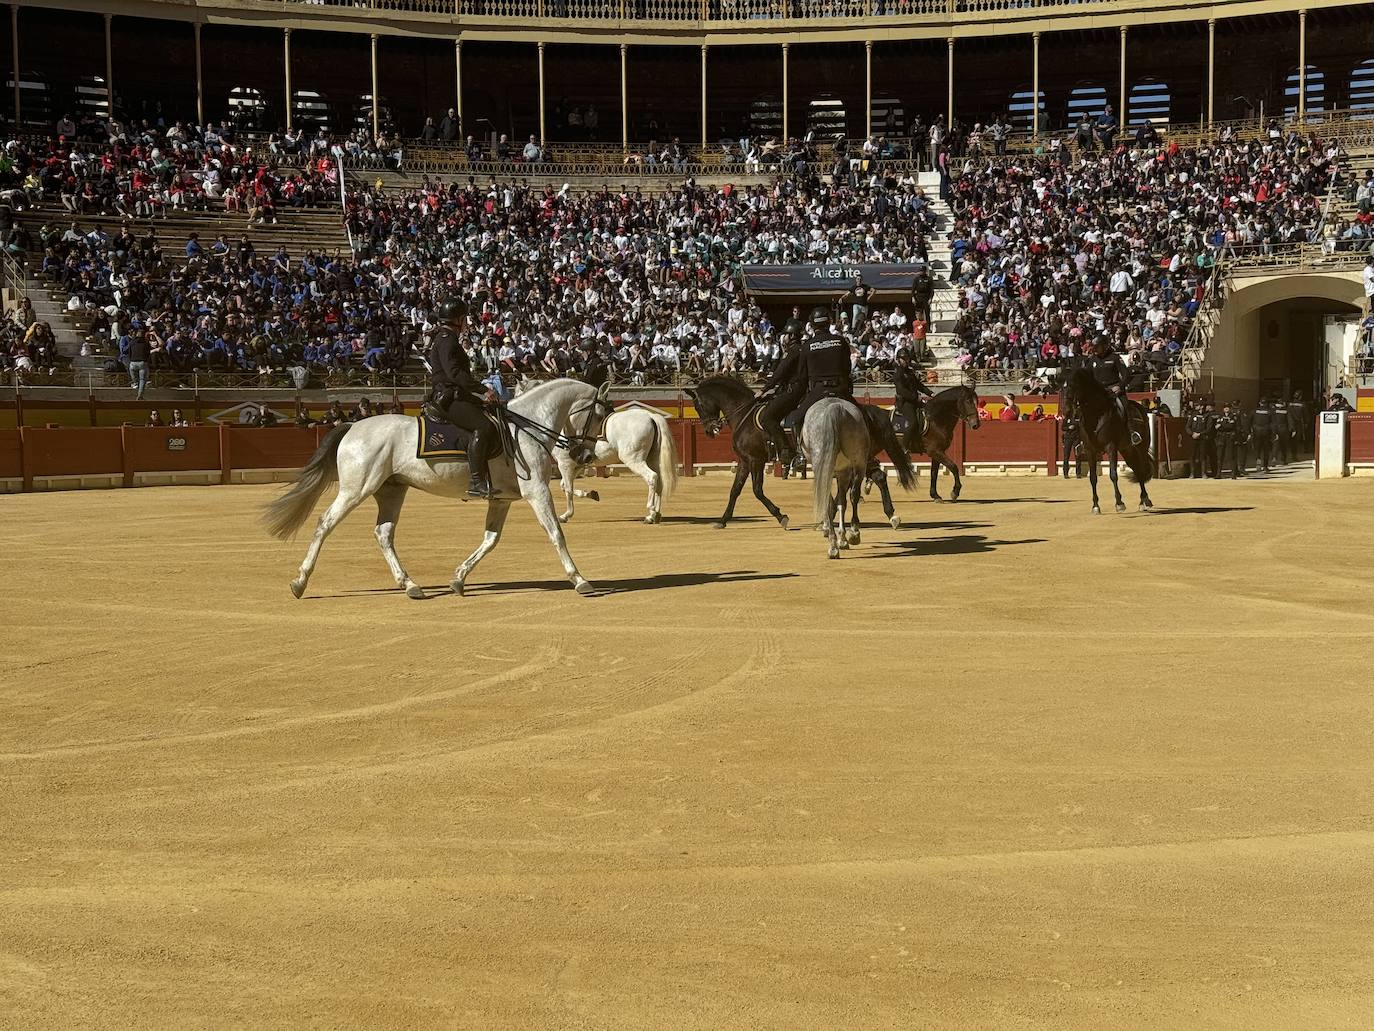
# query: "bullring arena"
[[1000, 763], [1010, 765]]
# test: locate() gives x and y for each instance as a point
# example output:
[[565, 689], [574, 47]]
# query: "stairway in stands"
[[297, 229], [944, 306]]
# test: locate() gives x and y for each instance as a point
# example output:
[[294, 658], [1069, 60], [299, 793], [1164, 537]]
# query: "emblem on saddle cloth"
[[440, 439]]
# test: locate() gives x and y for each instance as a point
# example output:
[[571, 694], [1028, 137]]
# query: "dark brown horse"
[[1102, 428], [723, 399], [942, 413], [884, 439]]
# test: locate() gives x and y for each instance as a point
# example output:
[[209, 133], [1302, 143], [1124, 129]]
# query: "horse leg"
[[889, 510], [641, 469], [852, 534], [935, 476], [756, 477], [830, 531], [1092, 482], [497, 510], [1145, 503], [741, 474], [542, 504], [348, 499], [567, 472], [389, 500], [958, 480], [1111, 470]]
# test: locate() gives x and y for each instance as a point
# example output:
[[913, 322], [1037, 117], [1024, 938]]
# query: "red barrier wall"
[[278, 447], [156, 449], [1360, 442], [66, 452], [11, 455], [998, 441]]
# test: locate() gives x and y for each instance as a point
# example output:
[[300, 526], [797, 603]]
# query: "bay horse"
[[835, 436], [883, 437], [376, 458], [722, 400], [1101, 427], [942, 414]]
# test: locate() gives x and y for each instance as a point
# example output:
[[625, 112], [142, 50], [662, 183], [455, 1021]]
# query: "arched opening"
[[1148, 103], [825, 116], [1362, 89], [247, 106], [1022, 107], [35, 98], [889, 116], [310, 109], [1086, 99], [765, 116], [1285, 333], [1314, 88]]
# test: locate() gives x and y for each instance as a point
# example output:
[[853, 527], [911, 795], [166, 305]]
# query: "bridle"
[[581, 445], [714, 425]]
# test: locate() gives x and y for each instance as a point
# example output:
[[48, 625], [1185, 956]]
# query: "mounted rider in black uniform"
[[787, 384], [457, 392], [1108, 370], [826, 359], [911, 389]]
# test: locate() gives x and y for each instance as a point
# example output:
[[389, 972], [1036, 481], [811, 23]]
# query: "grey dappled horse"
[[836, 440], [376, 458], [641, 440]]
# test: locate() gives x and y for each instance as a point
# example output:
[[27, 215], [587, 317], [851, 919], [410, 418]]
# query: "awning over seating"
[[826, 280]]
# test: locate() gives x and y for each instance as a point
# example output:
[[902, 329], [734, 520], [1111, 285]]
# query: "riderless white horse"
[[377, 458], [836, 440], [639, 439]]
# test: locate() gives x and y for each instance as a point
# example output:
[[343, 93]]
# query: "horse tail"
[[284, 516], [827, 433], [1139, 458], [665, 458], [901, 458]]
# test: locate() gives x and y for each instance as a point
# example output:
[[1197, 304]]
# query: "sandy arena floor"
[[1009, 766]]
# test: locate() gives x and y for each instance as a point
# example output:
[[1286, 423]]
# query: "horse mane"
[[728, 385], [946, 398], [533, 392], [1082, 384]]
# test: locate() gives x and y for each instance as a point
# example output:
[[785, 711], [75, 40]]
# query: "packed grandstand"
[[1038, 252]]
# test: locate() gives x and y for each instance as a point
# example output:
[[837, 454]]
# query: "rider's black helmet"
[[820, 313], [903, 354], [451, 309]]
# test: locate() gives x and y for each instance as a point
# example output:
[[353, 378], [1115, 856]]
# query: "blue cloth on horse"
[[441, 439]]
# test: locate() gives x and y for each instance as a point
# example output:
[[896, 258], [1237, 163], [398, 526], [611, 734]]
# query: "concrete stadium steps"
[[610, 180]]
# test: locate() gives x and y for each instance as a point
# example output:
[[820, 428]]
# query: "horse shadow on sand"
[[952, 544], [627, 585]]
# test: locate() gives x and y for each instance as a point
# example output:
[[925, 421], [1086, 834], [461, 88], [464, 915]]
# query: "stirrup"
[[479, 490]]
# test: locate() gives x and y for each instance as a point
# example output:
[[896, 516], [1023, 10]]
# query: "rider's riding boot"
[[479, 484]]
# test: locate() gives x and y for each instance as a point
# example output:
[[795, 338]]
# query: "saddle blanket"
[[900, 423], [441, 439]]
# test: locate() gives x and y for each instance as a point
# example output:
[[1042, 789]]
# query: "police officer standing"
[[1226, 441], [1283, 432], [1242, 445], [787, 384], [1198, 427], [826, 358], [456, 392], [1262, 434], [910, 390], [1300, 422]]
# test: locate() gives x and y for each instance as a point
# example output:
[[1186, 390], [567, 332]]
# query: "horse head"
[[968, 405], [708, 410]]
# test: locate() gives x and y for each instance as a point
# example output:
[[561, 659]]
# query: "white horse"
[[836, 440], [639, 439], [376, 458]]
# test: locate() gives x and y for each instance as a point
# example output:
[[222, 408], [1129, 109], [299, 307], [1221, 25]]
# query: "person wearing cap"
[[1198, 427], [1283, 431], [910, 390], [1262, 433], [787, 386], [826, 359], [1242, 442], [1225, 429], [1300, 422], [456, 392]]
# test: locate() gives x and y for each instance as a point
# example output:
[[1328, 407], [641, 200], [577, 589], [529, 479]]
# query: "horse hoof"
[[1149, 505], [457, 587], [853, 538], [1142, 508], [416, 592], [834, 552], [782, 521], [657, 517], [593, 495], [297, 588], [1096, 510], [718, 525], [844, 544], [895, 522], [584, 588], [564, 518], [936, 497], [1120, 507]]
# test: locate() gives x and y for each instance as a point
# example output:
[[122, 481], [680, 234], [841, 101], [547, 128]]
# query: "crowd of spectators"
[[1103, 236], [1049, 252]]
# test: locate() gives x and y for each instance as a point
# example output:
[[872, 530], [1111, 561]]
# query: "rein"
[[545, 436]]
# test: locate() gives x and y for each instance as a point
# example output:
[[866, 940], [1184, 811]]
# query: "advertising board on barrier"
[[822, 279]]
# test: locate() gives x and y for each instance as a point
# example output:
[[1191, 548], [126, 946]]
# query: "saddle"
[[440, 439], [902, 425]]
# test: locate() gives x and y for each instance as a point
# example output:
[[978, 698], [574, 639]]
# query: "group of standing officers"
[[1275, 431]]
